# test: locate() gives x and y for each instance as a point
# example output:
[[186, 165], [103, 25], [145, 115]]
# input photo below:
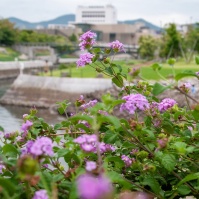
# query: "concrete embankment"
[[28, 90]]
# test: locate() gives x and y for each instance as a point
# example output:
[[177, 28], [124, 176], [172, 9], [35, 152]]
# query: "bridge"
[[56, 49]]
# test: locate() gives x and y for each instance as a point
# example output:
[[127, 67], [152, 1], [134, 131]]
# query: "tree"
[[147, 47], [171, 42], [7, 32]]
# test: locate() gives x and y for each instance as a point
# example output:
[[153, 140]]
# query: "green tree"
[[192, 40], [7, 32], [171, 42], [147, 47]]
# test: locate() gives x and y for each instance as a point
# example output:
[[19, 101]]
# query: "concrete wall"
[[44, 92], [69, 85]]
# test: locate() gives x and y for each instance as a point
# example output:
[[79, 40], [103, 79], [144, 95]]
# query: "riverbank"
[[44, 92]]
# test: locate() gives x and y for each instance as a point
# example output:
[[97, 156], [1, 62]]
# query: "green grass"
[[145, 70], [10, 55], [166, 70]]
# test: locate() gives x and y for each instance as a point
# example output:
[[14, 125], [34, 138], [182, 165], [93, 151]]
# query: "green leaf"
[[156, 66], [168, 162], [1, 129], [197, 60], [96, 50], [117, 161], [110, 137], [111, 119], [184, 190], [193, 176], [180, 147], [83, 127], [152, 183], [62, 152], [78, 118], [46, 180], [118, 178], [10, 150], [186, 73], [8, 185], [109, 70], [57, 126], [159, 88], [118, 81], [195, 114], [167, 126]]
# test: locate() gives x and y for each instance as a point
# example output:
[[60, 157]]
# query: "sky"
[[158, 12]]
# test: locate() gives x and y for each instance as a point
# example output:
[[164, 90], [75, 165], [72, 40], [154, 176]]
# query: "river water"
[[11, 117]]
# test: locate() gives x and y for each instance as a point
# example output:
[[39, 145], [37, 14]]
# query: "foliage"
[[155, 155], [7, 33], [147, 47], [171, 42]]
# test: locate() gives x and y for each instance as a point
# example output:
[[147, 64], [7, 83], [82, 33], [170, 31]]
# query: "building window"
[[112, 37]]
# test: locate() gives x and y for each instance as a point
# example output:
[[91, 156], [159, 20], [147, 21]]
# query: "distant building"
[[58, 26], [96, 14], [126, 33]]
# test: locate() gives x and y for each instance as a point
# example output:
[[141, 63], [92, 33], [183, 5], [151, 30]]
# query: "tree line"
[[171, 44], [10, 35]]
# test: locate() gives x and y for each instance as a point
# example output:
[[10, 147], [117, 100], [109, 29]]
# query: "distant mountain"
[[27, 25], [70, 17], [147, 24]]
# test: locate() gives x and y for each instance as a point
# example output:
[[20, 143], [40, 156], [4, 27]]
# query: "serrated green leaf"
[[159, 88], [168, 162]]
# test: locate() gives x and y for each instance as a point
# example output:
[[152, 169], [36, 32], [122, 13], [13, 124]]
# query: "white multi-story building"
[[96, 14]]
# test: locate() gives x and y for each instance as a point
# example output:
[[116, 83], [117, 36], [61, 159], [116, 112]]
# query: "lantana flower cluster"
[[85, 59], [134, 102], [87, 40], [116, 46], [88, 143], [94, 187], [41, 146], [41, 194], [127, 161]]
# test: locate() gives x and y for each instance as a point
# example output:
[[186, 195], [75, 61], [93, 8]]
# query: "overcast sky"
[[158, 12]]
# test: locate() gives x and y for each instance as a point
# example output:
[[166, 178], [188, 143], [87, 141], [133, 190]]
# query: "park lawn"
[[10, 55], [148, 73], [145, 70]]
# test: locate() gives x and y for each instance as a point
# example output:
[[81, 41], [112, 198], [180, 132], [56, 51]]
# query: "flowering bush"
[[96, 155]]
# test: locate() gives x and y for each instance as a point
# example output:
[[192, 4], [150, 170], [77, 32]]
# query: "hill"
[[28, 25], [70, 17], [147, 24]]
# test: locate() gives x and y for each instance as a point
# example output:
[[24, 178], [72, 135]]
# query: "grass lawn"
[[166, 71], [10, 55], [146, 71]]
